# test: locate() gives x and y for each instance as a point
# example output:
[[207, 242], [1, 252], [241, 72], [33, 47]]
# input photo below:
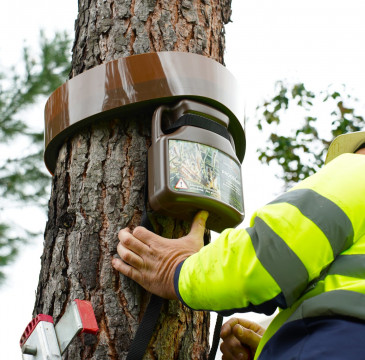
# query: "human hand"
[[151, 260], [240, 339]]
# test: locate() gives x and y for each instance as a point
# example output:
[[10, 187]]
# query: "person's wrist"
[[176, 276]]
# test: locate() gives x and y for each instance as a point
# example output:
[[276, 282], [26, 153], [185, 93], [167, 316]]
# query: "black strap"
[[216, 337], [146, 327], [200, 122]]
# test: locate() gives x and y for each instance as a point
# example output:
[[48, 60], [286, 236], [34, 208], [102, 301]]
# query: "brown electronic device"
[[193, 167]]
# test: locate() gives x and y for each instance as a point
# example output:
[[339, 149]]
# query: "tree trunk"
[[98, 184]]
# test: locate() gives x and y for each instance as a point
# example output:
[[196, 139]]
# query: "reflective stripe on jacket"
[[304, 252]]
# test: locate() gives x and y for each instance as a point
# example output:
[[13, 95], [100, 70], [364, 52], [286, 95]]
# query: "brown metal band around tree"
[[135, 83]]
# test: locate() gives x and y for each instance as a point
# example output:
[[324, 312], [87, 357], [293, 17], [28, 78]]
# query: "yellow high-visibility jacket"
[[303, 253]]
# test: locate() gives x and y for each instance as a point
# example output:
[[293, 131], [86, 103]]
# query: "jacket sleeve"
[[226, 276], [270, 264]]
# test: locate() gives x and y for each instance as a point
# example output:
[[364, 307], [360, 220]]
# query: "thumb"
[[198, 225]]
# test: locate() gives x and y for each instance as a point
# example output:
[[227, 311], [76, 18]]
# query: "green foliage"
[[23, 178], [301, 124]]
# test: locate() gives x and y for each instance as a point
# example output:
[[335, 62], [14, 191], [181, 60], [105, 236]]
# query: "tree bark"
[[98, 184]]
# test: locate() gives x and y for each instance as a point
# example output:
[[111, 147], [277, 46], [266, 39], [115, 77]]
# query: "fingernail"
[[240, 330], [204, 214]]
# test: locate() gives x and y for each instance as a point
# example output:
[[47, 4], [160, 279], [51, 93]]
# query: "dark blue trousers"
[[323, 338]]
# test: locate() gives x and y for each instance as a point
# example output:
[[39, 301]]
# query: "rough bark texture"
[[98, 184], [107, 29]]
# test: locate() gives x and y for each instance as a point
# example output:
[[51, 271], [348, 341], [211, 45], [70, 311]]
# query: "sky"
[[316, 42]]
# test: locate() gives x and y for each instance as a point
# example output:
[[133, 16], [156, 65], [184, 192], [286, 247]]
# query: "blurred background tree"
[[300, 124], [23, 176]]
